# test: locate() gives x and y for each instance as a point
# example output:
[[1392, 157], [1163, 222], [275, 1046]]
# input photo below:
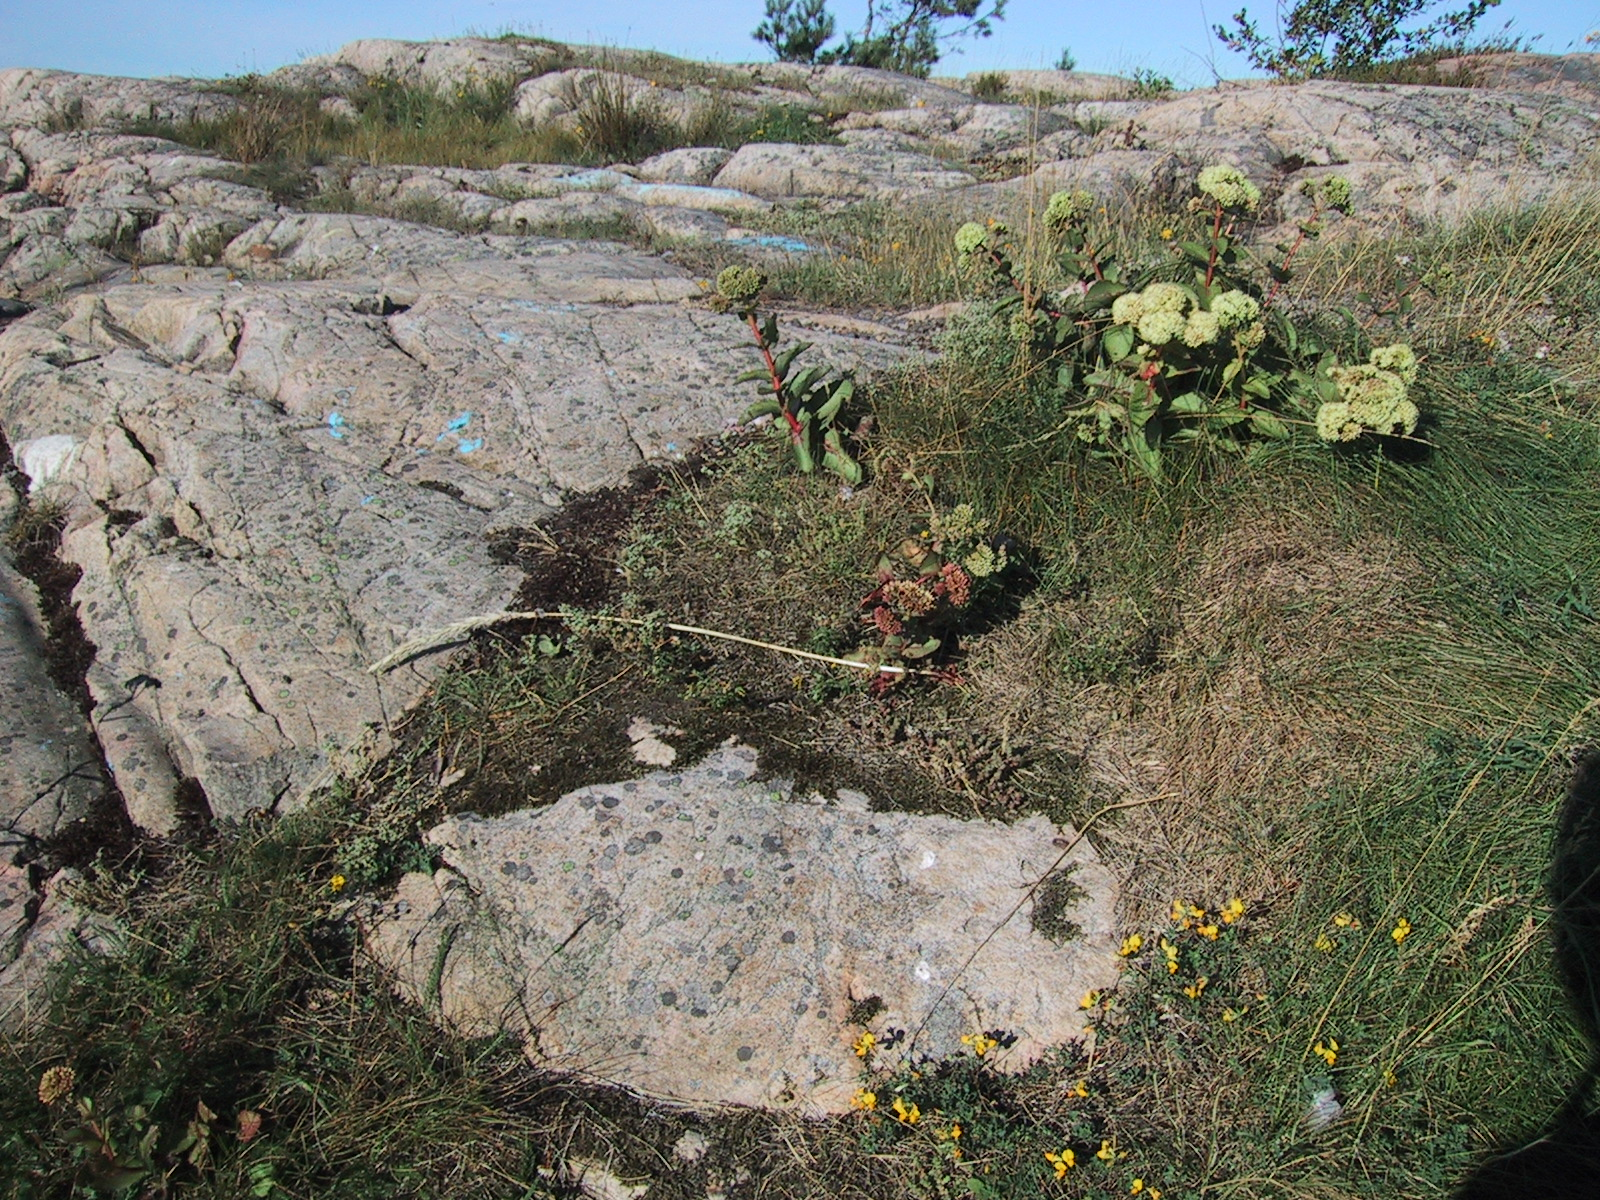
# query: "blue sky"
[[228, 37]]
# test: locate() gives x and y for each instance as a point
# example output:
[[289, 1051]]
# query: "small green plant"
[[1191, 349], [1067, 61], [808, 401], [1324, 37], [990, 85], [930, 587], [1150, 84]]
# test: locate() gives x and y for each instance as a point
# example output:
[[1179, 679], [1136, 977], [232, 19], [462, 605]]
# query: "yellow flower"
[[1346, 920], [1090, 999], [336, 884], [864, 1100], [1230, 1015], [1137, 1187], [1232, 911], [1130, 945], [955, 1132], [864, 1044], [981, 1043], [1166, 235], [1389, 1079], [1105, 1153], [1207, 931], [1062, 1162], [1323, 942], [1401, 931], [906, 1114], [1194, 989], [1176, 910], [1079, 1089], [1327, 1053]]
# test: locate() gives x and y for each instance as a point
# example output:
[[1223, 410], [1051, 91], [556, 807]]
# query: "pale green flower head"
[[1164, 297], [1066, 208], [985, 560], [960, 524], [1399, 358], [1160, 327], [1376, 398], [1229, 187], [971, 238], [1250, 337], [1127, 308], [1202, 328], [1233, 309], [740, 285], [1334, 191], [1334, 423]]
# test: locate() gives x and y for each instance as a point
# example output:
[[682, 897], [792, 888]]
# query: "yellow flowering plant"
[[1188, 347]]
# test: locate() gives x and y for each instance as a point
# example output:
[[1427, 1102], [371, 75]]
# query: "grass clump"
[[281, 132]]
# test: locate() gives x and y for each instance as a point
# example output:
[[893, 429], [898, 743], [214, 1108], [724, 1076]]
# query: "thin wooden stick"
[[460, 630]]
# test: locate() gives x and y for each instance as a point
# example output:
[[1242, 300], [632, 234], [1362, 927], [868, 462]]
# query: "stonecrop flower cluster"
[[1166, 312], [1229, 187], [1067, 208], [1372, 397]]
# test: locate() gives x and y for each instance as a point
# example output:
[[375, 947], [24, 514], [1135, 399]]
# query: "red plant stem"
[[1028, 301], [1216, 232], [772, 370], [1294, 248]]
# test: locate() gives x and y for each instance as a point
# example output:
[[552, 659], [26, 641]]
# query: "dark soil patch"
[[912, 749]]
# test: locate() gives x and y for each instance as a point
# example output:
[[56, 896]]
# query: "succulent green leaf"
[[783, 361], [1267, 424], [1117, 342], [1100, 294]]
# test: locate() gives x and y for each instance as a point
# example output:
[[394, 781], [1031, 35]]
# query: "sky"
[[212, 38]]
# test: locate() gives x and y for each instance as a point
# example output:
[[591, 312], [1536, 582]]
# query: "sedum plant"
[[808, 401], [1191, 349], [929, 587]]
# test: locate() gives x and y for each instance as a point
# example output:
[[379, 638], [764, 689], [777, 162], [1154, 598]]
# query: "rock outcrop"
[[705, 937], [280, 420]]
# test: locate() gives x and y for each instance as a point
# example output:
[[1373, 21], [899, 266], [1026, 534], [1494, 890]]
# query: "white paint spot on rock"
[[923, 971], [929, 858]]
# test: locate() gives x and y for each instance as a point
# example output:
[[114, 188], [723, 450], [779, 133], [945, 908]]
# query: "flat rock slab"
[[704, 937]]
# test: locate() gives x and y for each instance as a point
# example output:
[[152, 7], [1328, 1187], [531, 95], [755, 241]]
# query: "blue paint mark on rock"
[[773, 241], [460, 423], [336, 425], [507, 338], [535, 307], [468, 445]]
